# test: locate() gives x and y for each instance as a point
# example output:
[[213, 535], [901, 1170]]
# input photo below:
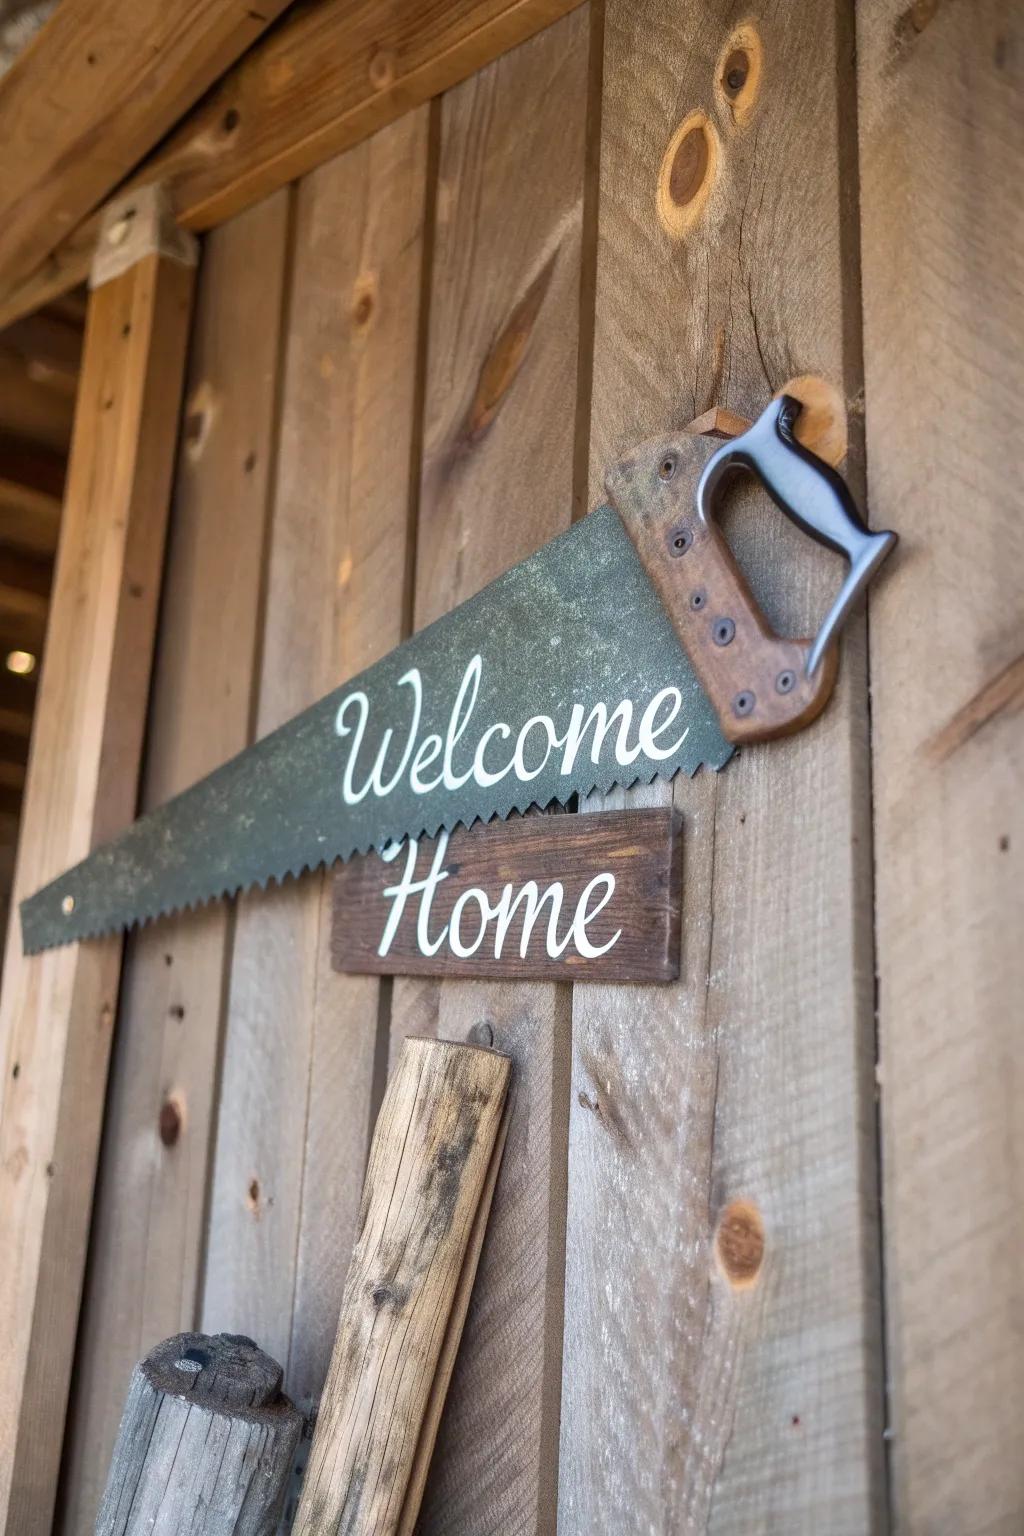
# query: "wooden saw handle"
[[760, 684]]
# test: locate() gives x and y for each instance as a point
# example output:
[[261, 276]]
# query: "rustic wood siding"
[[407, 372]]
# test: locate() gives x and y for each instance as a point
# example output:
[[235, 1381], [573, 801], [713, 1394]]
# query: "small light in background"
[[21, 662]]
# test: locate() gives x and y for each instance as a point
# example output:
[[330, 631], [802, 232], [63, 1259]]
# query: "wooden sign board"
[[581, 898]]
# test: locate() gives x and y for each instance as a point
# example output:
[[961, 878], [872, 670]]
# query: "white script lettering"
[[502, 913], [534, 743]]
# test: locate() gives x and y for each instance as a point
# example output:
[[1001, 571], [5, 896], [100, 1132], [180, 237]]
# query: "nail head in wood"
[[138, 224]]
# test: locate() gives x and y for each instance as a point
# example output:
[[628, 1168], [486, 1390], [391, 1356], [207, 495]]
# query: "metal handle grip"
[[811, 494]]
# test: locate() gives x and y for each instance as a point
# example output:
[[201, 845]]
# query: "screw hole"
[[698, 600], [724, 631], [679, 540], [786, 681], [744, 702], [667, 467]]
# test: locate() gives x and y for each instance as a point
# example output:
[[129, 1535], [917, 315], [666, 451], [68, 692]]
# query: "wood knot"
[[364, 302], [687, 174], [739, 1244], [169, 1123], [383, 68], [199, 414], [738, 76], [506, 355], [821, 425], [230, 121]]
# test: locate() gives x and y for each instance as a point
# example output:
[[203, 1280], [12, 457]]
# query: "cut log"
[[431, 1175], [206, 1442]]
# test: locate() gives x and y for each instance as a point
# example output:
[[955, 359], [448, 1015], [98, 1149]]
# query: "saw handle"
[[761, 684], [811, 494]]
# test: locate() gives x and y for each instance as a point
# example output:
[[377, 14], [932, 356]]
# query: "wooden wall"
[[406, 373]]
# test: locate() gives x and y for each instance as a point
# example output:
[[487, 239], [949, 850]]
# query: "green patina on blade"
[[577, 624]]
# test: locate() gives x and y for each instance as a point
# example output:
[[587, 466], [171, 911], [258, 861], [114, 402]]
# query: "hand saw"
[[629, 648]]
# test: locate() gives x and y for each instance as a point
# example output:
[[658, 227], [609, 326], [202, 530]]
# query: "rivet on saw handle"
[[761, 685]]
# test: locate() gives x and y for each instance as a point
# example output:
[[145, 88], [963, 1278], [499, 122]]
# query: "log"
[[431, 1174], [206, 1442]]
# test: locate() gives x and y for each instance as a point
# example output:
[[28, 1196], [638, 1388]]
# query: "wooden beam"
[[17, 698], [57, 1009], [940, 141], [50, 346], [101, 84], [29, 465], [29, 519], [329, 76], [30, 406]]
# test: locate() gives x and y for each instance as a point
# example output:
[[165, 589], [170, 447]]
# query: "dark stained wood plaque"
[[581, 898]]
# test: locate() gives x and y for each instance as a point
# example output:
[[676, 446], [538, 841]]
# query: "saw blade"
[[562, 677]]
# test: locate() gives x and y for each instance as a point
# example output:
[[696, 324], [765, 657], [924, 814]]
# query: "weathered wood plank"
[[57, 1010], [497, 483], [205, 1443], [942, 156], [327, 77], [533, 899], [100, 85], [722, 1364], [302, 1049], [430, 1169], [149, 1216]]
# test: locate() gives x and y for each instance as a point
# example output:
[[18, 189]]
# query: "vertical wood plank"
[[149, 1216], [497, 483], [942, 157], [57, 1010], [722, 1364], [301, 1045]]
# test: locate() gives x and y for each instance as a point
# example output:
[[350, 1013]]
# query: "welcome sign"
[[584, 898]]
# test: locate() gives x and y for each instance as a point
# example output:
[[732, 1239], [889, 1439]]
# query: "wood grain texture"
[[497, 483], [57, 1010], [633, 923], [942, 154], [302, 1052], [430, 1166], [149, 1217], [329, 76], [722, 1365], [100, 85], [205, 1443]]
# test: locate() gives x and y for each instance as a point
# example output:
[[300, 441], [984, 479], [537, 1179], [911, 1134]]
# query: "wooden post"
[[206, 1442], [57, 1009], [428, 1188]]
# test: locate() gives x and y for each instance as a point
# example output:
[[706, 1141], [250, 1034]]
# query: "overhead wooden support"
[[100, 85], [941, 155], [57, 1009], [329, 76]]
